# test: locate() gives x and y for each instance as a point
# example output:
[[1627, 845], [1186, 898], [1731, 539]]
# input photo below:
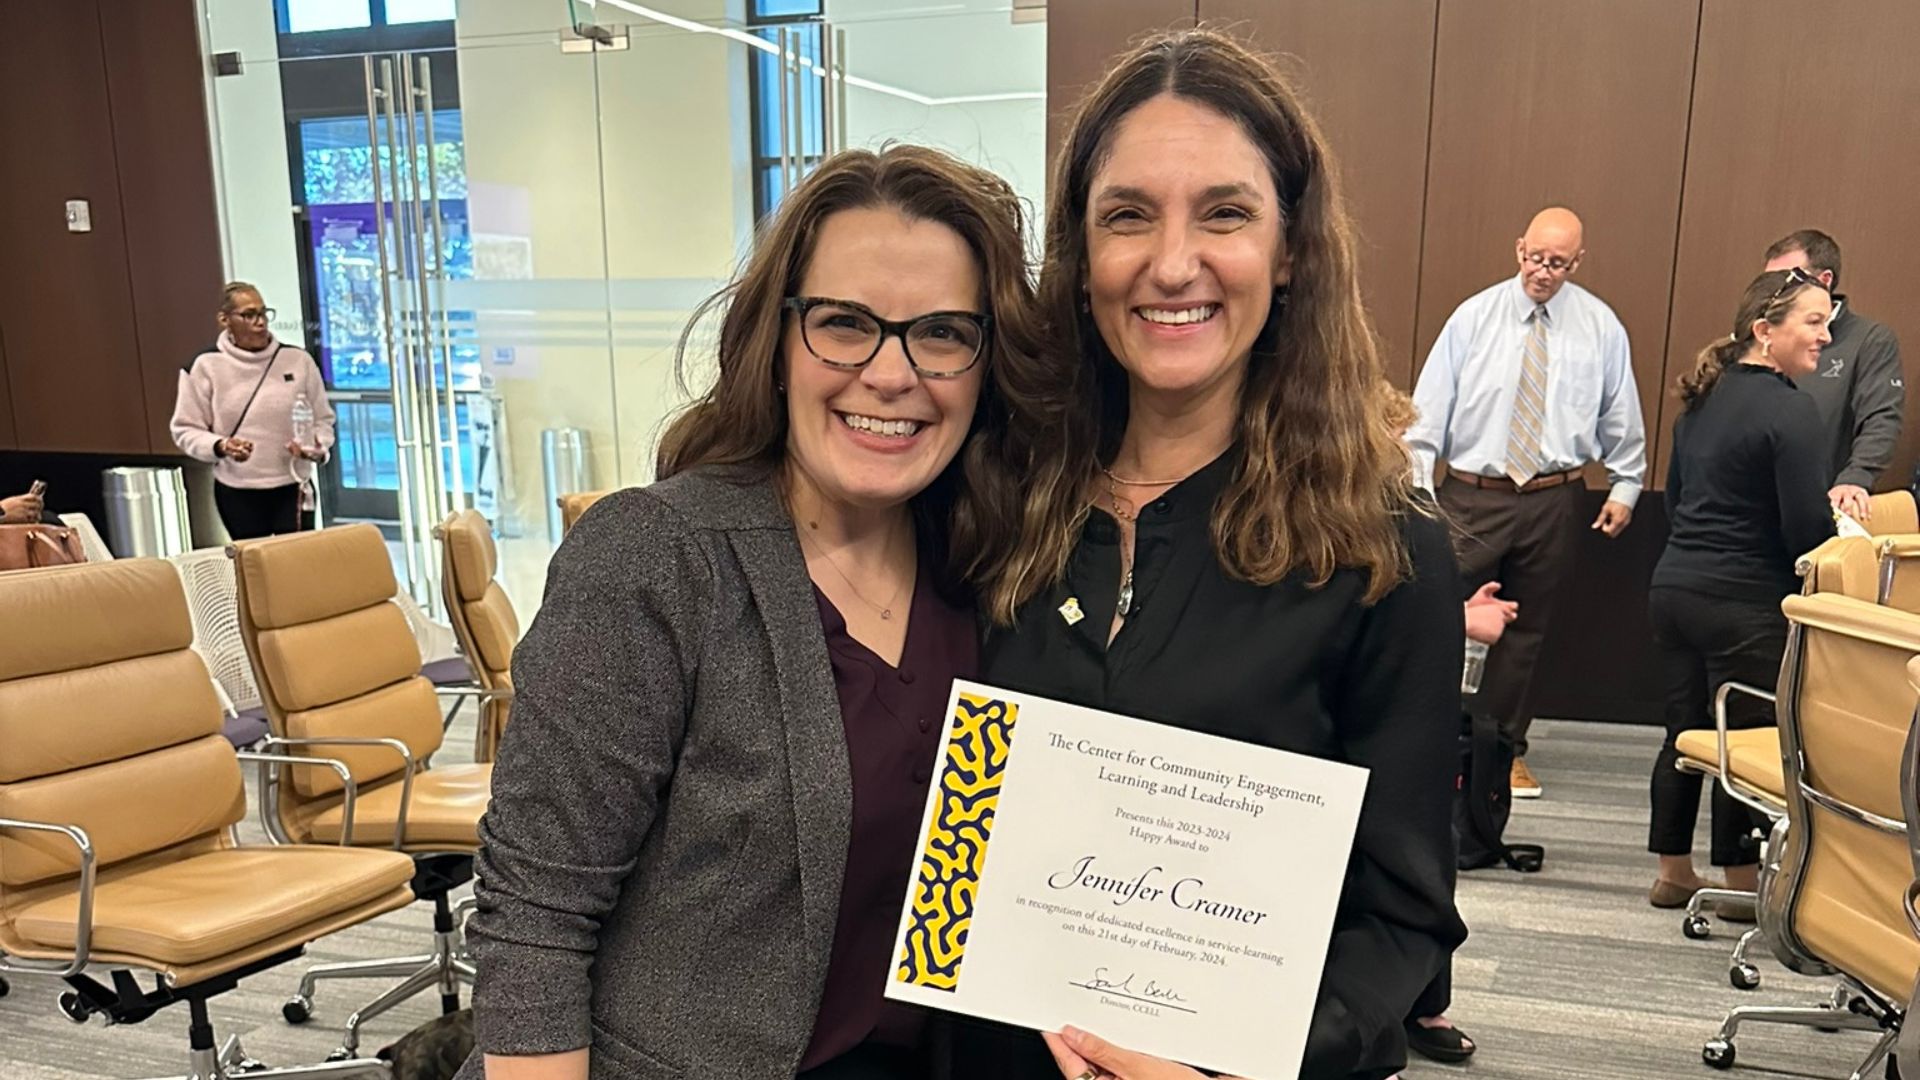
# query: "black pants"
[[1522, 542], [250, 513], [1705, 641]]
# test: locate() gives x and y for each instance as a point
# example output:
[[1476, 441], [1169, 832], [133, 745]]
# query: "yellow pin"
[[1071, 612]]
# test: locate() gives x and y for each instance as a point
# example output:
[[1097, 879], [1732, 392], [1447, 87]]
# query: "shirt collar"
[[1523, 304]]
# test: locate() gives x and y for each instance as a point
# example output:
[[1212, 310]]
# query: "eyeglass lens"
[[938, 344]]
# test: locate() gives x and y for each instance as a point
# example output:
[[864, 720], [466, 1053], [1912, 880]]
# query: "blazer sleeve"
[[1398, 711], [1879, 395], [603, 681]]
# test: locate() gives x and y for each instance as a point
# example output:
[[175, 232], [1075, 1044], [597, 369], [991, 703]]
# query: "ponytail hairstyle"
[[1769, 297]]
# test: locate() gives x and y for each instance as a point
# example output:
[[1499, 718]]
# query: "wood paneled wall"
[[1083, 37], [102, 102]]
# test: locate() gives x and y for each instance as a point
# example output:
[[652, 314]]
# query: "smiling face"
[[875, 437], [1794, 344], [1185, 247]]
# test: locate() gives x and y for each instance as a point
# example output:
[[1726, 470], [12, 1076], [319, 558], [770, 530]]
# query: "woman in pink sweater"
[[235, 408]]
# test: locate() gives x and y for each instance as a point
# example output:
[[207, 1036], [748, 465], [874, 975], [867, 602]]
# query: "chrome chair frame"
[[1855, 1006]]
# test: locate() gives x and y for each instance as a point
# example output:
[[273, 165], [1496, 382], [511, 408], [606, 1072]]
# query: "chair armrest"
[[83, 919], [1720, 696], [347, 784], [398, 747]]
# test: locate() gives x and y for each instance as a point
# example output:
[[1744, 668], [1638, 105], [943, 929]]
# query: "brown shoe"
[[1737, 911], [1522, 781], [1672, 894]]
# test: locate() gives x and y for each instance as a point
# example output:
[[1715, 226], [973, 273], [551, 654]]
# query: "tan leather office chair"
[[1899, 581], [575, 503], [1845, 565], [1892, 512], [339, 673], [483, 619], [1833, 887], [118, 795]]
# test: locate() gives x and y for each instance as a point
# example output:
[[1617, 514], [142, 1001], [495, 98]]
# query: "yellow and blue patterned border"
[[956, 842]]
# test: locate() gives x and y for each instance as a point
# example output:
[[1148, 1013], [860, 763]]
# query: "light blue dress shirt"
[[1466, 391]]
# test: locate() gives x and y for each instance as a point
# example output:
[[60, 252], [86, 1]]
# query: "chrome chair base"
[[446, 968], [1853, 1008], [231, 1062]]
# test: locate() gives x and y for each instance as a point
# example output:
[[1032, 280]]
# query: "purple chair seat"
[[245, 729], [453, 671]]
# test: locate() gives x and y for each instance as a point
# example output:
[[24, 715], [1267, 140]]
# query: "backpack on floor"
[[1483, 799]]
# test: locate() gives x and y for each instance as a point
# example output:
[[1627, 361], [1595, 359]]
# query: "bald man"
[[1530, 380]]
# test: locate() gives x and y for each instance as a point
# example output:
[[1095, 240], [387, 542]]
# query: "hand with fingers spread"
[[1488, 615], [1083, 1056]]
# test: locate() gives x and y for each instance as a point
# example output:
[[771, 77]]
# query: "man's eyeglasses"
[[1795, 276], [253, 315], [847, 335], [1556, 264]]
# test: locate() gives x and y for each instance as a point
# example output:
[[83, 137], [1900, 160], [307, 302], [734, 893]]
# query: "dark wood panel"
[[64, 297], [7, 437], [1820, 135], [1083, 37], [1366, 68], [1583, 105], [157, 90]]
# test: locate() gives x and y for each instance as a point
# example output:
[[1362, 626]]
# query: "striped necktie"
[[1524, 456]]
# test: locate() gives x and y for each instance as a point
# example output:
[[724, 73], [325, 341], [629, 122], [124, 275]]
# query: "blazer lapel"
[[819, 776]]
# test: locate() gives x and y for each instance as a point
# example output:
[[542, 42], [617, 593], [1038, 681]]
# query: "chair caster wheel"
[[4, 988], [1697, 928], [1718, 1053], [341, 1054], [77, 1010], [297, 1010], [1744, 977]]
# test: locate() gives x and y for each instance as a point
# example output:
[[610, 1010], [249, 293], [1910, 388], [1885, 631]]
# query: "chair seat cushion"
[[451, 671], [1753, 756], [220, 902], [444, 811]]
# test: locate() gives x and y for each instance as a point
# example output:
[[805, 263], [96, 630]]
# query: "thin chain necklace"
[[1124, 605], [1124, 482], [885, 610]]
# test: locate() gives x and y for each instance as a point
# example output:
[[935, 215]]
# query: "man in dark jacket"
[[1857, 387]]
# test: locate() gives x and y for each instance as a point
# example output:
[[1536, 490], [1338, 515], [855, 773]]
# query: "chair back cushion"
[[108, 719], [1853, 707], [1892, 512], [575, 503], [1844, 565], [483, 617], [1900, 570], [333, 656]]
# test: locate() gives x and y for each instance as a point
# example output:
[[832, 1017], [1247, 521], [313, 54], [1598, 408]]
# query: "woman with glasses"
[[1747, 496], [239, 406], [1202, 513], [728, 709]]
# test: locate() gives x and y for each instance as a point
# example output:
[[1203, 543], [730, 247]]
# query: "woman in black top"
[[1747, 495], [1219, 529]]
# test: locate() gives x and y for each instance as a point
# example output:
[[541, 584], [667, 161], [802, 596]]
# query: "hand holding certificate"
[[1173, 890]]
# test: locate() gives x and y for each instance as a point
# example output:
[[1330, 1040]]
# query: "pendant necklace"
[[1124, 605], [885, 610]]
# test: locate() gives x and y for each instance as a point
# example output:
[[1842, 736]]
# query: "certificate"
[[1169, 891]]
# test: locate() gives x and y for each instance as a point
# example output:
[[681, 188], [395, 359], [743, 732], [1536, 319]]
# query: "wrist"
[[219, 448]]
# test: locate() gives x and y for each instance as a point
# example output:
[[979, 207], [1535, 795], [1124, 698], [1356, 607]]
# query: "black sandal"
[[1444, 1044]]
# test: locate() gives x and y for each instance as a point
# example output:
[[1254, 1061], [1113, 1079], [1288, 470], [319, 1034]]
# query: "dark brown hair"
[[1823, 251], [1769, 297], [742, 419], [1323, 480]]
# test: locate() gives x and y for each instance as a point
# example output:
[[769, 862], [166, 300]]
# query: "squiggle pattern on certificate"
[[956, 842]]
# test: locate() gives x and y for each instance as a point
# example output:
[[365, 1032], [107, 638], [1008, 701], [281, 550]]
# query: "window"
[[767, 18], [307, 16], [413, 11]]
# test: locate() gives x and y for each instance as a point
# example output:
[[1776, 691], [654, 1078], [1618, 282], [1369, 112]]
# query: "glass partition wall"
[[489, 220]]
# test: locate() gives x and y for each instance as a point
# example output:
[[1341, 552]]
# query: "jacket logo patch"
[[1835, 365], [288, 377]]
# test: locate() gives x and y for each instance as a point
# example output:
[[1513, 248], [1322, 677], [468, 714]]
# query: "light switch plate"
[[79, 216]]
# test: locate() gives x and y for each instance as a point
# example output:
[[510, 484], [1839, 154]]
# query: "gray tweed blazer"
[[661, 862]]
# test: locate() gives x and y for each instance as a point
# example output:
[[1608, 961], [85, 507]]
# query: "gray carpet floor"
[[1569, 974]]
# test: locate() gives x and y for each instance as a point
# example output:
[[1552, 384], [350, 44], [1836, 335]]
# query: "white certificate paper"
[[1171, 892]]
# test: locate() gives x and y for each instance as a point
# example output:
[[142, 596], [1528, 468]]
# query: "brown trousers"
[[1521, 541]]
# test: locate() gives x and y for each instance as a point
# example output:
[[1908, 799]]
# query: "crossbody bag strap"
[[244, 409]]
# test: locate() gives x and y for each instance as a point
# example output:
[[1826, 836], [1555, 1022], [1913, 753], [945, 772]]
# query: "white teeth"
[[1181, 317], [876, 426]]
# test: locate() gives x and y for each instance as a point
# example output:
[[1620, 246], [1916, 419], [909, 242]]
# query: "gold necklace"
[[886, 610], [1124, 482], [1124, 605]]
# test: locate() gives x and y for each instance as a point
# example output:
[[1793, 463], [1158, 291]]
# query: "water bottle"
[[302, 421], [1476, 664]]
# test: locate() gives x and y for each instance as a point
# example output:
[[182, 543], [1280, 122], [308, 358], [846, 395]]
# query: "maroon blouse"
[[893, 717]]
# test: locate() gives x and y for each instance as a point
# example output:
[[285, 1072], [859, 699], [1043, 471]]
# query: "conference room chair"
[[1892, 513], [338, 673], [1746, 763], [118, 801], [483, 619], [575, 503], [1833, 888]]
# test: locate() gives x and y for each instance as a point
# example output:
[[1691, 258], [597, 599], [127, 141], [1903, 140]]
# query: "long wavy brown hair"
[[1322, 481], [1770, 296], [741, 419]]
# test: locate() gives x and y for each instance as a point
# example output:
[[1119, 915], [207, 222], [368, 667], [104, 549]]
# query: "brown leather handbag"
[[23, 547]]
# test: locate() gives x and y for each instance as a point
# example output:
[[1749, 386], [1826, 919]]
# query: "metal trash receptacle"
[[146, 512], [567, 468]]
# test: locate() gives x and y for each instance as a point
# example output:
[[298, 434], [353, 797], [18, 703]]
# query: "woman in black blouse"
[[1747, 495], [1207, 464]]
